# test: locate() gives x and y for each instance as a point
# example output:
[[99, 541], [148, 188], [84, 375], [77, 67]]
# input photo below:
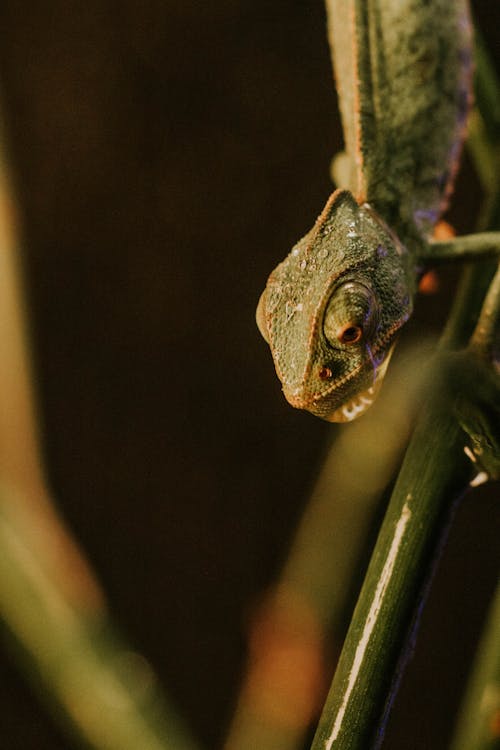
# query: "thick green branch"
[[434, 473], [468, 247]]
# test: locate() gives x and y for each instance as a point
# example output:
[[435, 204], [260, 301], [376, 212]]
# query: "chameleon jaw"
[[357, 406]]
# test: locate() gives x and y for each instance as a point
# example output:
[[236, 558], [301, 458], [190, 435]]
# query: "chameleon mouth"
[[362, 401]]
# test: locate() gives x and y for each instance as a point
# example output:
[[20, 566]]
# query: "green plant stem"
[[318, 579], [479, 725], [482, 340], [468, 247], [435, 472]]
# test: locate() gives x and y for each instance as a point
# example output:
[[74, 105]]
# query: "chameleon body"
[[331, 311]]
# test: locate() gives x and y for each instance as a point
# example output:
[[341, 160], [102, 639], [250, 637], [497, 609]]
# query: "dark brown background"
[[168, 153]]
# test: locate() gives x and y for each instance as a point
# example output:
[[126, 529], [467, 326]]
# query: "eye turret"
[[351, 315]]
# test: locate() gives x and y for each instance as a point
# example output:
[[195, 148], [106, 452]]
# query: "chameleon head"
[[332, 309]]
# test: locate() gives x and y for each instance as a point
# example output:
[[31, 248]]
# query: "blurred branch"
[[479, 725], [54, 610], [106, 695]]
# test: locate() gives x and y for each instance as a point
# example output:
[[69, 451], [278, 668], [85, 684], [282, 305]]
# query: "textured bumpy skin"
[[348, 244], [332, 308], [403, 75]]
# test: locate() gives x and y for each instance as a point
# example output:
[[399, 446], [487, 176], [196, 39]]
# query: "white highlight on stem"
[[371, 619]]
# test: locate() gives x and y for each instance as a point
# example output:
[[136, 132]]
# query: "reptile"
[[331, 312]]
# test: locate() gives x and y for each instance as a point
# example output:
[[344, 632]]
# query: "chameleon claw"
[[480, 478], [470, 454]]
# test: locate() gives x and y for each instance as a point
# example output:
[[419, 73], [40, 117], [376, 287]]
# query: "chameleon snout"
[[260, 317]]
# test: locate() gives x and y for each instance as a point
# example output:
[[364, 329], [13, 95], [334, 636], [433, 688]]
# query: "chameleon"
[[332, 311]]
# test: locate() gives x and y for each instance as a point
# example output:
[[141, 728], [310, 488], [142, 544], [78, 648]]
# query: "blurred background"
[[166, 155]]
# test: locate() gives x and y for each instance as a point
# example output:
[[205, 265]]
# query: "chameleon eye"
[[350, 315], [350, 334]]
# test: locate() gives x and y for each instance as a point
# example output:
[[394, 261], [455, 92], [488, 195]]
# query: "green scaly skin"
[[331, 311]]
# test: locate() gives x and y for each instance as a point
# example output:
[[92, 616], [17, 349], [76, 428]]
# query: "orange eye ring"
[[350, 334]]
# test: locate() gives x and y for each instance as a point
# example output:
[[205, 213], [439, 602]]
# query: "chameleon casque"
[[332, 310]]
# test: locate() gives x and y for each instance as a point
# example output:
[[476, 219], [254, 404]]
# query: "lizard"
[[332, 311]]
